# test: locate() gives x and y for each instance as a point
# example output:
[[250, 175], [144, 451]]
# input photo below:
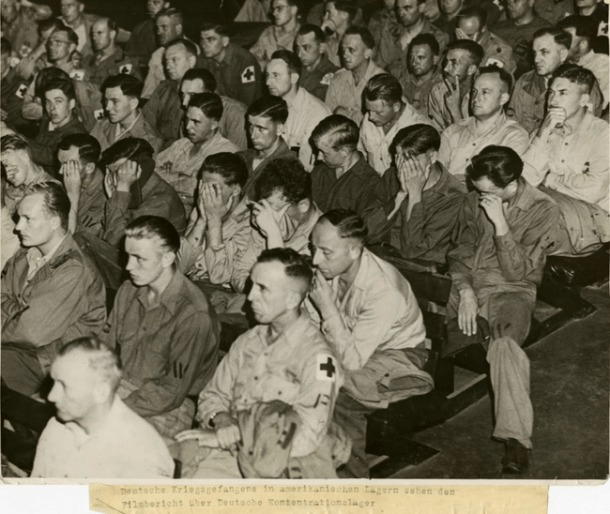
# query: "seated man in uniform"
[[305, 111], [284, 362], [121, 97], [236, 70], [19, 168], [316, 70], [266, 118], [51, 293], [426, 197], [503, 231], [78, 156], [180, 163], [367, 312], [569, 157], [219, 227], [94, 435], [163, 328], [339, 15], [143, 42]]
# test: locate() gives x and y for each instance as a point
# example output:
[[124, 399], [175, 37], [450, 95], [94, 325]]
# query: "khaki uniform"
[[108, 133], [437, 109], [270, 40], [316, 81], [282, 151], [99, 69], [415, 89]]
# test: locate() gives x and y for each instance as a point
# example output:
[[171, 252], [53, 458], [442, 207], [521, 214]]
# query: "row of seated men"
[[406, 185]]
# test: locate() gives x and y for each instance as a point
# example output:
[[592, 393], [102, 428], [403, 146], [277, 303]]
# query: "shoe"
[[516, 457]]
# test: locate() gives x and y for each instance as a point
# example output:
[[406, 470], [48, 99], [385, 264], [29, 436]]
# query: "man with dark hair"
[[280, 35], [78, 156], [219, 227], [231, 124], [386, 113], [503, 231], [179, 164], [74, 16], [59, 102], [305, 111], [338, 17], [367, 312], [236, 70], [488, 124], [163, 328], [383, 20], [471, 23], [108, 57], [142, 42], [344, 95], [518, 28], [266, 118], [411, 22], [51, 293], [342, 179], [284, 365], [569, 156], [582, 30], [449, 98], [19, 169], [420, 220], [317, 70], [94, 435], [162, 110], [419, 71], [283, 215], [123, 115]]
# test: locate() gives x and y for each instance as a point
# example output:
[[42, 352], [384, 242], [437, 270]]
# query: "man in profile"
[[94, 434]]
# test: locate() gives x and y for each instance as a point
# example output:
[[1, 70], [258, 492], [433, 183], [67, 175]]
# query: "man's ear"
[[294, 78], [472, 69], [585, 100], [435, 59], [563, 53], [55, 222], [89, 168], [504, 98], [433, 156], [281, 129], [72, 103], [225, 41], [323, 48], [192, 60], [293, 300], [134, 103], [368, 53], [304, 205], [168, 259], [101, 392], [214, 125]]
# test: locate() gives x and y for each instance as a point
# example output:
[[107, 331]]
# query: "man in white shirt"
[[95, 435], [305, 111], [386, 113]]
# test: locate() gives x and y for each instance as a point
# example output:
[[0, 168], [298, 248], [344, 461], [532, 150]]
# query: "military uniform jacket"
[[99, 70], [316, 81], [106, 133], [169, 349]]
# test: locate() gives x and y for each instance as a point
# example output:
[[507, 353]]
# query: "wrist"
[[124, 188]]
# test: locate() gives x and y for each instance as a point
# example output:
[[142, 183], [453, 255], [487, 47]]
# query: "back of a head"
[[130, 148], [383, 87], [296, 266], [342, 132], [14, 142], [231, 167], [130, 86], [272, 107], [560, 36], [89, 149], [575, 74], [55, 200], [210, 104], [475, 51], [416, 139], [291, 60], [206, 76], [348, 224], [287, 176], [150, 227], [102, 360], [364, 33], [500, 164]]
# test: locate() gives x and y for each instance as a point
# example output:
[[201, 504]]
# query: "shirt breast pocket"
[[277, 387]]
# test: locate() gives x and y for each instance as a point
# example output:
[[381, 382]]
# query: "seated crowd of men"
[[153, 187]]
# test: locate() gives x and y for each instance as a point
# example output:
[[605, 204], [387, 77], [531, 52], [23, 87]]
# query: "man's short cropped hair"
[[131, 148], [70, 34], [309, 28], [286, 175], [560, 36], [342, 132], [505, 77], [209, 103], [348, 224], [500, 164], [416, 139], [130, 86], [206, 76], [63, 85], [348, 6], [55, 200], [231, 167], [221, 30], [14, 142], [49, 25], [44, 76], [475, 51], [148, 227], [476, 11], [173, 13], [425, 39], [110, 23], [291, 60], [575, 74], [89, 149], [364, 33], [295, 265], [272, 107], [384, 87], [189, 46], [102, 360]]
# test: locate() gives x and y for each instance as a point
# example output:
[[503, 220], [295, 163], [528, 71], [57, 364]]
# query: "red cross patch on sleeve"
[[21, 91], [126, 68], [326, 369], [248, 75]]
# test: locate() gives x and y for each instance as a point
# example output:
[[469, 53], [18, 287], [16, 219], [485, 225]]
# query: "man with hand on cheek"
[[502, 234]]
